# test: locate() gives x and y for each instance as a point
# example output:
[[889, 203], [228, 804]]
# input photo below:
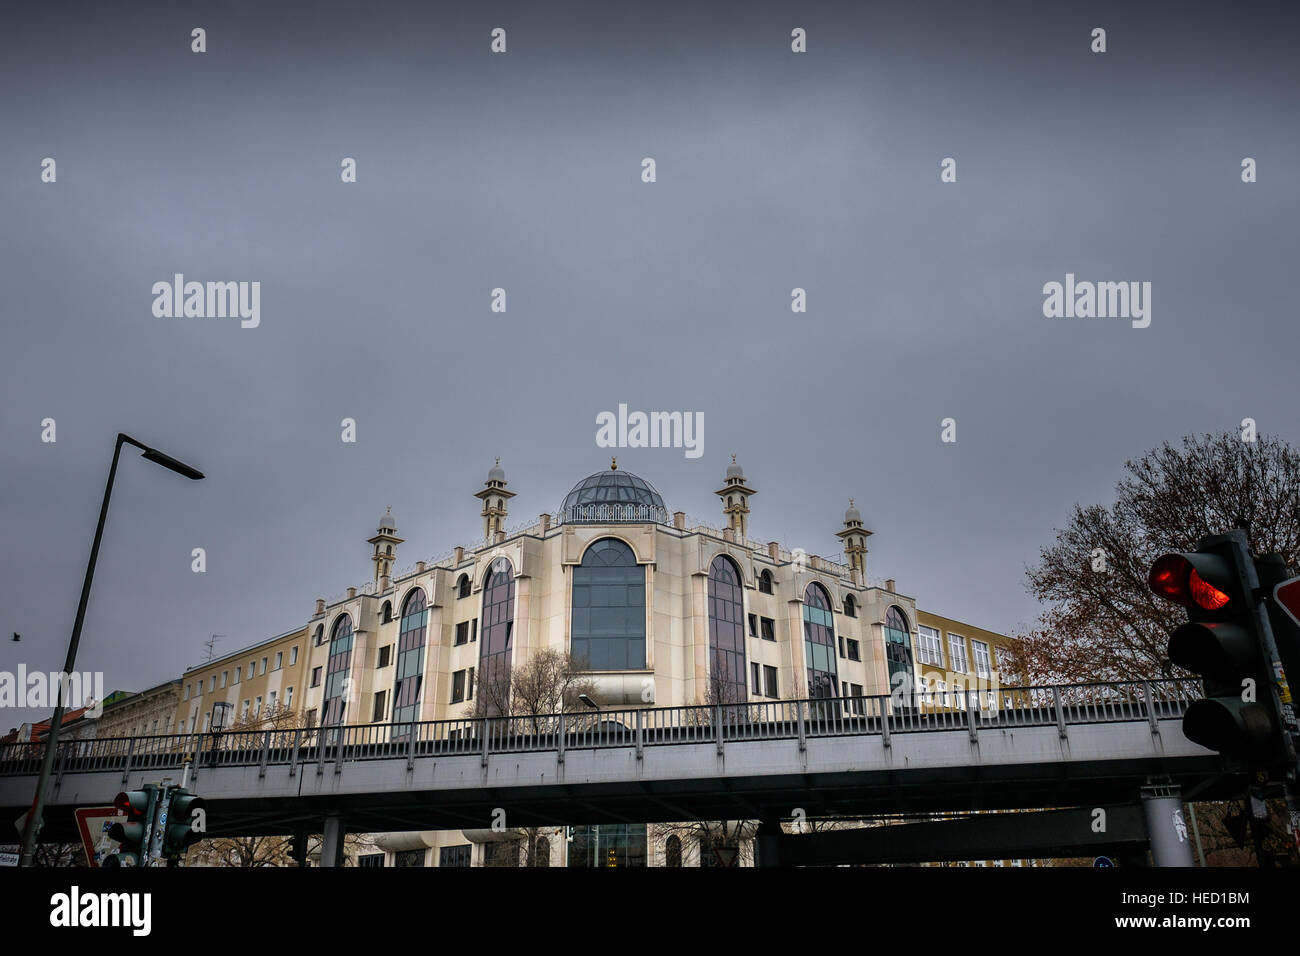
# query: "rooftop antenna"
[[210, 643]]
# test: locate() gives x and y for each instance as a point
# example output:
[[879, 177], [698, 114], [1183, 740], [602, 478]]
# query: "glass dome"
[[612, 496]]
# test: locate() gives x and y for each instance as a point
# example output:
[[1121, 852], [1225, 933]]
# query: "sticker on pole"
[[93, 824], [1287, 595]]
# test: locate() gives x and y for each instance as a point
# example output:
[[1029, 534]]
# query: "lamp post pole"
[[52, 739]]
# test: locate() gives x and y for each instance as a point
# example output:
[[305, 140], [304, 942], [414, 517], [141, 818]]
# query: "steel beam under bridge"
[[986, 836]]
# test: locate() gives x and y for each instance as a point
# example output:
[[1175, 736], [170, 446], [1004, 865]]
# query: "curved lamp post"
[[51, 741]]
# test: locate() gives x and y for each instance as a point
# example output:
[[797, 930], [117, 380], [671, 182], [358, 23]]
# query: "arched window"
[[498, 634], [319, 636], [386, 615], [819, 642], [543, 855], [850, 606], [462, 586], [765, 581], [898, 652], [673, 851], [410, 661], [336, 674], [608, 631], [727, 679]]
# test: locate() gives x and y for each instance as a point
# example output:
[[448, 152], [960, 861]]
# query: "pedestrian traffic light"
[[180, 832], [133, 834], [1221, 642]]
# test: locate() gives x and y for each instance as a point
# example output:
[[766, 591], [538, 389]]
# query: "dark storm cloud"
[[523, 171]]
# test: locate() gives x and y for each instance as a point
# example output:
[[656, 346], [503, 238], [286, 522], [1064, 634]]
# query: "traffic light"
[[180, 832], [1222, 642], [138, 807]]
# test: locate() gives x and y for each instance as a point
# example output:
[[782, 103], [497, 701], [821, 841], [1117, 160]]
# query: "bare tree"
[[547, 683], [1102, 621]]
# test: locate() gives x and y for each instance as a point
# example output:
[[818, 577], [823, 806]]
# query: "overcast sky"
[[522, 170]]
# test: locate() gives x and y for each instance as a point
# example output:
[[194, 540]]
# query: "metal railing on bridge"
[[884, 716]]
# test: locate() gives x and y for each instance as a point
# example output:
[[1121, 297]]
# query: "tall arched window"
[[765, 582], [819, 642], [462, 587], [727, 679], [336, 673], [850, 606], [608, 631], [498, 633], [673, 851], [410, 660], [898, 652]]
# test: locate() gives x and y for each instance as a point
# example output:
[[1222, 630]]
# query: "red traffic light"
[[1175, 578], [133, 804]]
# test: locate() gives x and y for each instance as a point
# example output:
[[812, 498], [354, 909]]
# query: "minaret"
[[735, 499], [494, 497], [855, 537], [385, 543]]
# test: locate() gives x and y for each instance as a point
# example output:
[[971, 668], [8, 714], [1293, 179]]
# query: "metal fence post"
[[559, 739], [883, 704], [1060, 711], [338, 751], [321, 737], [717, 726], [972, 720], [486, 729], [293, 761], [640, 736], [266, 748], [1151, 707], [130, 752], [410, 749], [803, 734]]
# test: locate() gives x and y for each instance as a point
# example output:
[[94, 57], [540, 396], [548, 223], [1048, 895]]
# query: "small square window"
[[315, 677], [753, 625]]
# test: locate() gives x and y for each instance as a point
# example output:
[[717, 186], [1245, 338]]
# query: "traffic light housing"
[[1222, 643], [138, 807], [179, 834]]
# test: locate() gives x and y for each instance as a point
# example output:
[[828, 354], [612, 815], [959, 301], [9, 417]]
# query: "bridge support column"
[[331, 851], [767, 843], [1166, 827]]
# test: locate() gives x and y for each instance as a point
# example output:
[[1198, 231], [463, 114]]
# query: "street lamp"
[[589, 702], [52, 740]]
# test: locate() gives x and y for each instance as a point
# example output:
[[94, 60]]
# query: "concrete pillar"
[[767, 843], [1171, 844], [331, 851]]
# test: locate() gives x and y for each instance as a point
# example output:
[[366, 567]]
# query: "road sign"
[[1103, 861], [1287, 595], [93, 824], [725, 855]]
